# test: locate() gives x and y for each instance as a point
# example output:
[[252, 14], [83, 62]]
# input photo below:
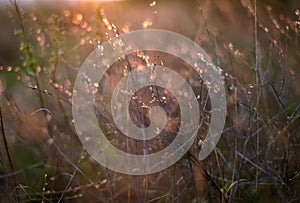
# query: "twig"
[[11, 167], [259, 168], [22, 170], [71, 179], [41, 109]]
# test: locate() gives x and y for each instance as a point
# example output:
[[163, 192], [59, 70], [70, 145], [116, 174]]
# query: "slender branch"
[[10, 163]]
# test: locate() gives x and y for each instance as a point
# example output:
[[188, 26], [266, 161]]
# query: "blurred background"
[[255, 45]]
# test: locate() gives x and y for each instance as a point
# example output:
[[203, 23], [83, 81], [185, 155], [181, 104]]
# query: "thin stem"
[[11, 166], [258, 90]]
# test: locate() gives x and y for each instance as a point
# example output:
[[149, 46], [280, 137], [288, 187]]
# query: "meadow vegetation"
[[255, 45]]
